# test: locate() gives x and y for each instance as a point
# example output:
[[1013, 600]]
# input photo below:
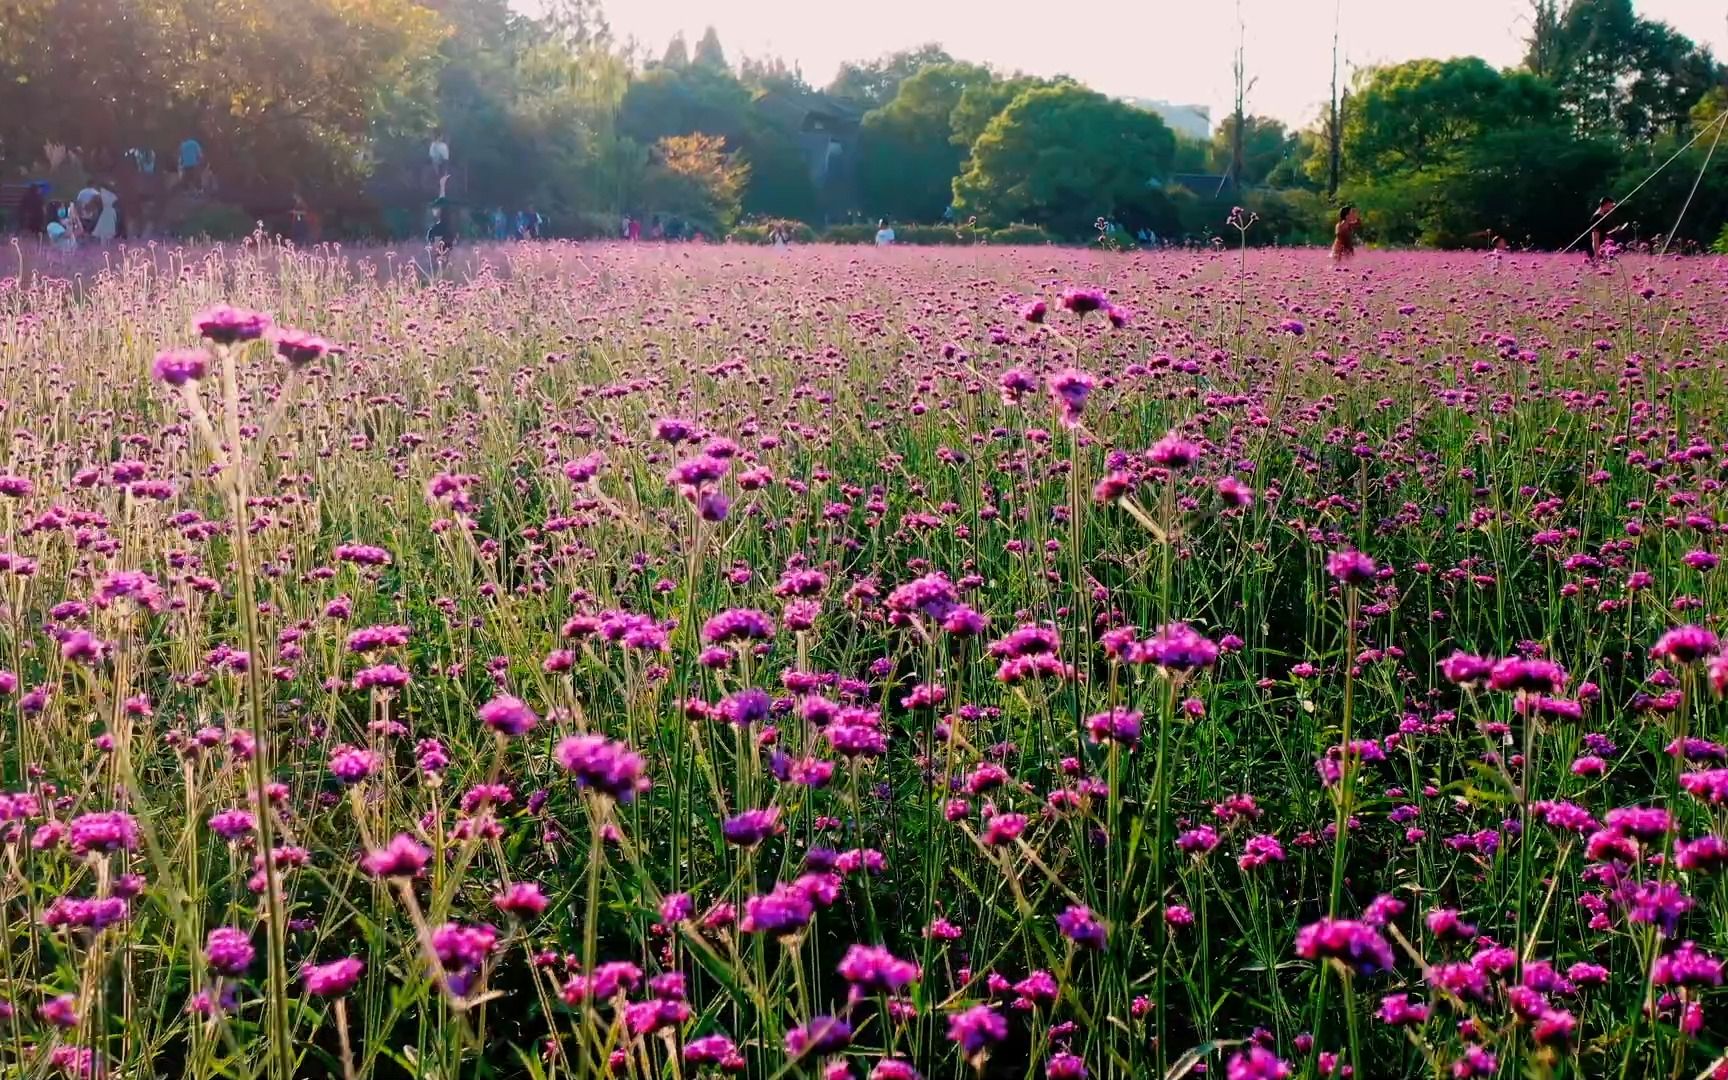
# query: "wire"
[[1716, 123], [1696, 180]]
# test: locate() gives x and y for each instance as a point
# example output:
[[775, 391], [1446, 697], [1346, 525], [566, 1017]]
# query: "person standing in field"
[[108, 216], [1600, 233], [884, 233], [439, 153], [1344, 233]]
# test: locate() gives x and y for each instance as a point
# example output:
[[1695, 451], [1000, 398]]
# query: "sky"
[[1176, 50]]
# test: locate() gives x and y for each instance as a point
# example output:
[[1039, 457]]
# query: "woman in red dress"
[[1344, 236]]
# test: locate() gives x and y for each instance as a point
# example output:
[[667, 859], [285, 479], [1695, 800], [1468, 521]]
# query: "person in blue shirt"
[[191, 158]]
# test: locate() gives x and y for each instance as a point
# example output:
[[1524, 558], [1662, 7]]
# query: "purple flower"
[[1464, 669], [233, 825], [745, 707], [508, 715], [1119, 725], [228, 325], [1033, 311], [711, 1050], [1069, 389], [609, 767], [300, 348], [332, 979], [1014, 384], [1686, 965], [1685, 645], [229, 951], [1515, 673], [1065, 1066], [1079, 925], [1173, 452], [177, 367], [751, 827], [976, 1029], [873, 969], [821, 1035], [520, 900], [782, 911], [1083, 301], [1256, 1063], [1177, 647], [1358, 945], [350, 764], [738, 624], [933, 595], [460, 947], [104, 831], [1351, 568], [402, 857]]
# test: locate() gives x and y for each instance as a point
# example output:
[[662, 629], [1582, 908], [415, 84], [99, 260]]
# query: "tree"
[[780, 185], [766, 73], [1418, 114], [1061, 156], [679, 101], [677, 55], [109, 76], [980, 102], [873, 83], [907, 157], [694, 178], [1620, 75], [709, 54], [1534, 185], [1192, 155], [1296, 169], [1265, 143]]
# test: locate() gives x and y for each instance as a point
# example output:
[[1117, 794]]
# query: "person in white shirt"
[[108, 221], [439, 153], [884, 233], [87, 206]]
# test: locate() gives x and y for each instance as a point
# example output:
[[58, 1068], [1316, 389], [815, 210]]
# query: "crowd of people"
[[113, 201]]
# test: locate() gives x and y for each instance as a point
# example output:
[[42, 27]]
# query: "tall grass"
[[586, 660]]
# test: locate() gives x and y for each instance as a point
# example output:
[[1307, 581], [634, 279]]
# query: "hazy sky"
[[1178, 50]]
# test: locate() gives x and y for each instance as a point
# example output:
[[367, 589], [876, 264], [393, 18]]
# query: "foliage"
[[874, 82], [1266, 145], [908, 158], [1423, 113], [1018, 233], [1622, 76], [1061, 157], [238, 76], [209, 220], [762, 230], [694, 178], [980, 102]]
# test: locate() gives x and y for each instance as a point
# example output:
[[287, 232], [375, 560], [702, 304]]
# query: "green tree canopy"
[[709, 54], [980, 102], [907, 157], [1621, 75], [1266, 143], [874, 82], [1062, 156], [695, 178], [1421, 113]]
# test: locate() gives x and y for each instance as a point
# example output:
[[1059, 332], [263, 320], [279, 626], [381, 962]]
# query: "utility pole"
[[1241, 99], [1334, 136]]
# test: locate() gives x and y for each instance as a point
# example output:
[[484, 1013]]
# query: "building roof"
[[1207, 185]]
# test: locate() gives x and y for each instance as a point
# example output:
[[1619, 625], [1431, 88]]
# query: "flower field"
[[834, 663]]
